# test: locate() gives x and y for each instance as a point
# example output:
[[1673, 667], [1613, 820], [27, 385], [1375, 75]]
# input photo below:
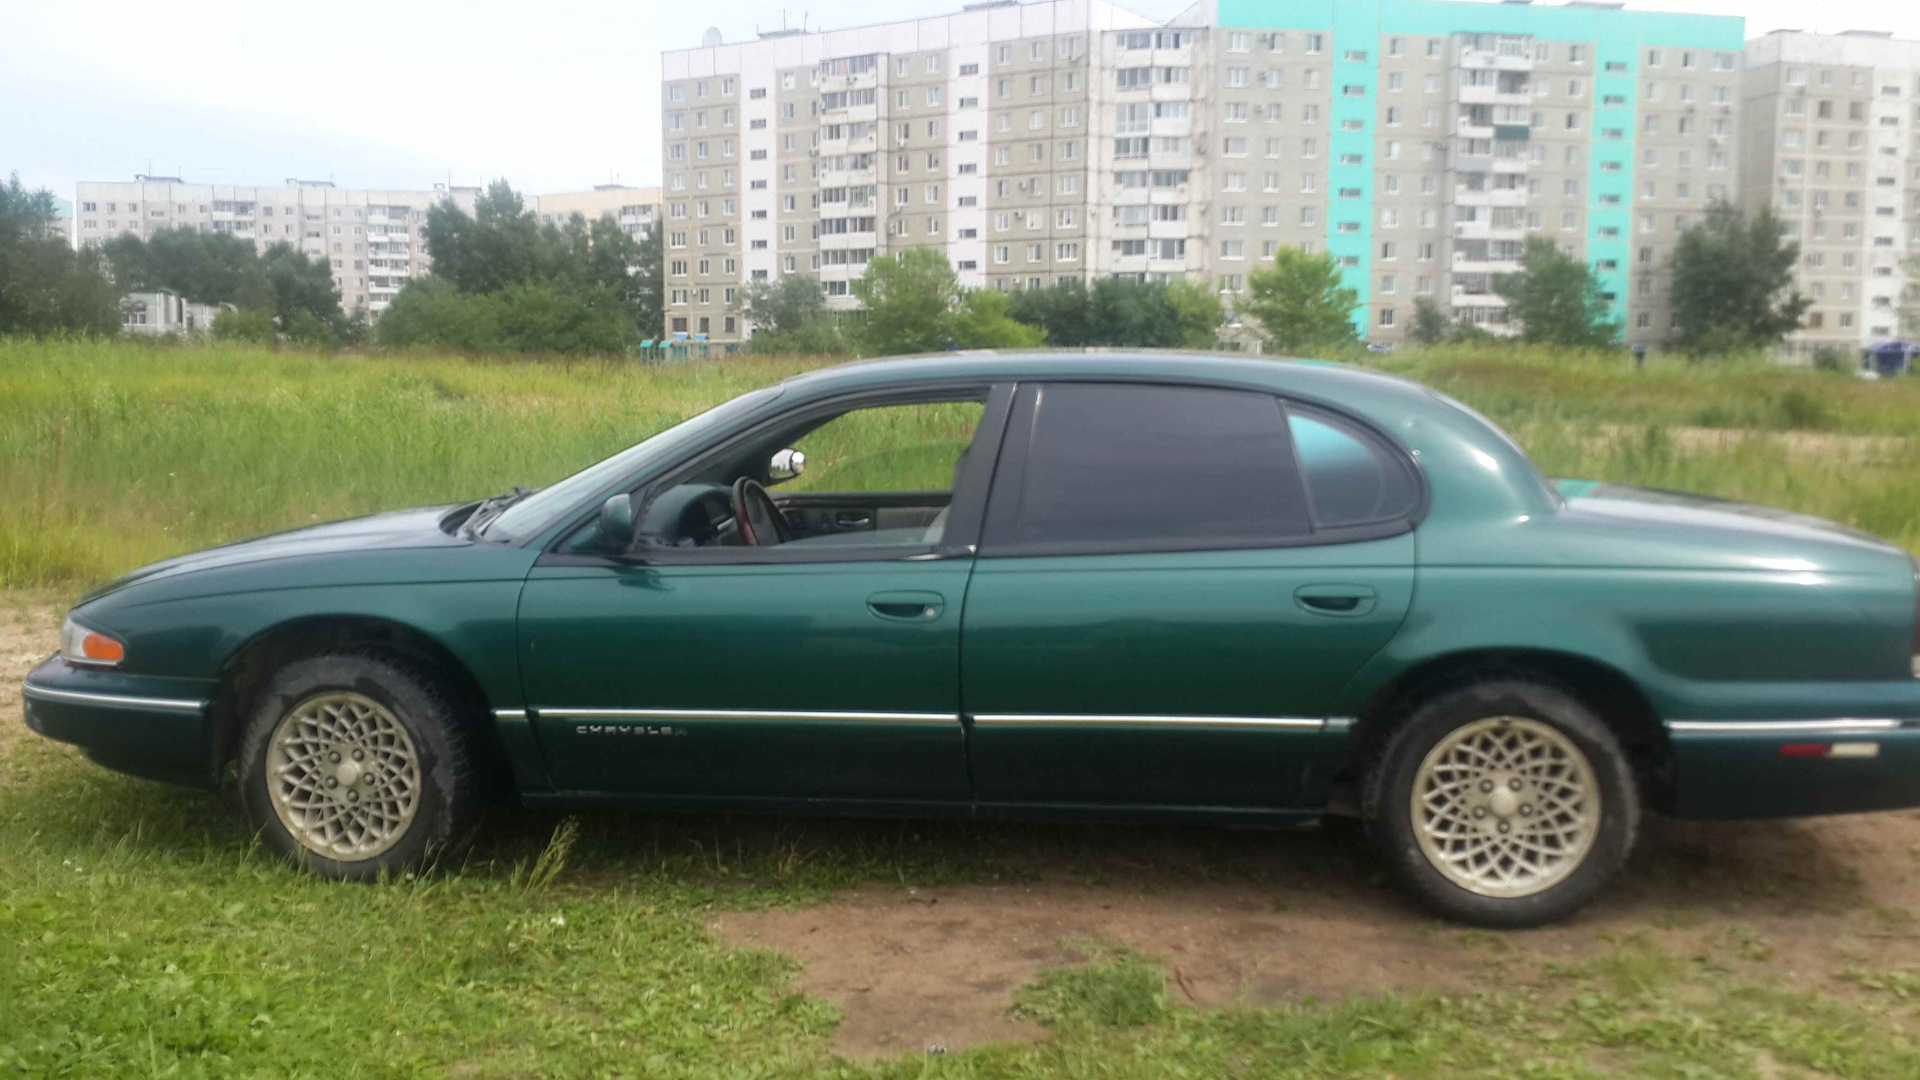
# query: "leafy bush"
[[244, 325]]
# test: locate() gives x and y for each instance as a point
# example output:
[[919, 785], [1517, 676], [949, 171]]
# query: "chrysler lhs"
[[1041, 586]]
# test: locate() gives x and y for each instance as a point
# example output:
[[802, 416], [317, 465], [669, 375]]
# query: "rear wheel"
[[1503, 803], [355, 764]]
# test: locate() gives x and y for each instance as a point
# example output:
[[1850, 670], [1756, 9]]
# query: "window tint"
[[1351, 478], [1152, 466]]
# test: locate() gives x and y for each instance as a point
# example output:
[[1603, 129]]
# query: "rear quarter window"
[[1352, 477]]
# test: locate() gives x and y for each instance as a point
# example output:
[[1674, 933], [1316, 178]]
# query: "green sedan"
[[1190, 588]]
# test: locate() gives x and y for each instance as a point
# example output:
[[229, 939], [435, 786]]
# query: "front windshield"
[[533, 511]]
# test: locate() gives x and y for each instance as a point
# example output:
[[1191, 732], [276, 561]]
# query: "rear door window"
[[1140, 467]]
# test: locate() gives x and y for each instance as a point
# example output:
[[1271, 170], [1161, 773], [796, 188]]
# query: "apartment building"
[[635, 209], [1833, 145], [1419, 141], [372, 239], [1422, 142], [812, 153]]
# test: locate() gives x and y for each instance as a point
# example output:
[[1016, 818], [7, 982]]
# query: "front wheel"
[[1504, 803], [356, 764]]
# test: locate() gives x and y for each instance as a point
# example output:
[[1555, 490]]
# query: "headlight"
[[81, 645]]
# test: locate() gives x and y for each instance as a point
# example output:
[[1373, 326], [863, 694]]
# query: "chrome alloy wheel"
[[344, 776], [1506, 806]]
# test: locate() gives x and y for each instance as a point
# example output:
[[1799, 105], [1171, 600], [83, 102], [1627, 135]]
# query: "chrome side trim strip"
[[1298, 723], [111, 701], [1340, 723], [747, 714], [509, 714], [1838, 726]]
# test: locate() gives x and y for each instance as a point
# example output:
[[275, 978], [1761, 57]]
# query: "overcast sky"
[[553, 95]]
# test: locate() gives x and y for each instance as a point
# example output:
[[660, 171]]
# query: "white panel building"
[[1833, 144], [371, 239]]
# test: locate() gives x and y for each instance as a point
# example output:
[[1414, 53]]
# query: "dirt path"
[[29, 632], [1273, 917]]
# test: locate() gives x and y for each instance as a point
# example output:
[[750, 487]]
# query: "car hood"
[[415, 528], [1644, 519]]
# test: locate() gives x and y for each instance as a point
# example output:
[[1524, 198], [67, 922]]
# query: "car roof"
[[1323, 379]]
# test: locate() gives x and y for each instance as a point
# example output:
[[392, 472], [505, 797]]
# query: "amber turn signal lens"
[[102, 647]]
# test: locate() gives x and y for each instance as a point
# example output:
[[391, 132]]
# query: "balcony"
[[1495, 94], [1467, 195], [1484, 298], [1488, 230], [1463, 263]]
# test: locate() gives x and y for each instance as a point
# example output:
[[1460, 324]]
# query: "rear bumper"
[[1794, 768], [149, 726]]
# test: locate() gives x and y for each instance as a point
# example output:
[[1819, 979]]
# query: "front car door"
[[691, 669], [1175, 583]]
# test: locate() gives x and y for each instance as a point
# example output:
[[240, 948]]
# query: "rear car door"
[[1174, 584]]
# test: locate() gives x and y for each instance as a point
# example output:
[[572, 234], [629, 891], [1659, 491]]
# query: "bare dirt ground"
[[1269, 917], [29, 632], [1278, 917]]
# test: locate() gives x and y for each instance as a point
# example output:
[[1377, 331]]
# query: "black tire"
[[1454, 713], [443, 789]]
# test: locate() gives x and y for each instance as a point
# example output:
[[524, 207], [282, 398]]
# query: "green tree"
[[45, 286], [216, 268], [302, 287], [1122, 312], [910, 300], [206, 268], [497, 246], [1733, 283], [503, 281], [1301, 303], [1064, 310], [254, 326], [431, 311], [1199, 313], [983, 323], [782, 305], [1430, 324], [1136, 314], [650, 284], [1556, 299]]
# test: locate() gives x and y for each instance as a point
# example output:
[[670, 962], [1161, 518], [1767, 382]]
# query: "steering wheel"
[[758, 518]]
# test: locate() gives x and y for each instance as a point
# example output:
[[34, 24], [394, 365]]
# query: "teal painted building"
[[1605, 129]]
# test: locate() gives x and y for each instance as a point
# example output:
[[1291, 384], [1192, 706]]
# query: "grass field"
[[141, 934], [120, 455]]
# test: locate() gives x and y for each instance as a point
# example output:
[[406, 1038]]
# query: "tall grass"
[[113, 455]]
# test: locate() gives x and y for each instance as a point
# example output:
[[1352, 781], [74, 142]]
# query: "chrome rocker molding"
[[1837, 726], [1291, 723], [745, 714], [111, 701], [1288, 723]]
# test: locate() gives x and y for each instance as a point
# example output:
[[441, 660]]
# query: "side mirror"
[[614, 527], [786, 464]]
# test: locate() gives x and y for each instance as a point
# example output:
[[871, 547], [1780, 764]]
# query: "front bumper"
[[146, 725], [1794, 768]]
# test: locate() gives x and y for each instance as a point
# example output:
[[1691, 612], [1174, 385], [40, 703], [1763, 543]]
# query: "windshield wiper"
[[491, 508]]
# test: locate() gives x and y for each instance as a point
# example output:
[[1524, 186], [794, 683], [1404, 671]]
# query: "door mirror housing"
[[786, 464], [613, 529]]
